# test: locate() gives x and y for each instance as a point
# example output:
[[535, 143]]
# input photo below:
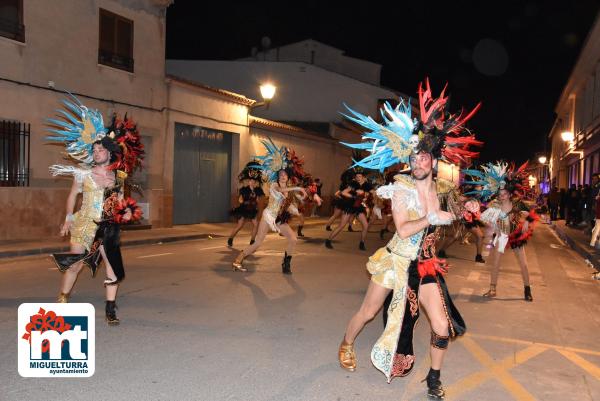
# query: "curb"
[[124, 244], [591, 259]]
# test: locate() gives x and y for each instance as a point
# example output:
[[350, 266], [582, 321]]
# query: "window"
[[116, 41], [11, 20], [14, 154]]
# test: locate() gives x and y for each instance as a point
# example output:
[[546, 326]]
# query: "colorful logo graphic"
[[56, 340]]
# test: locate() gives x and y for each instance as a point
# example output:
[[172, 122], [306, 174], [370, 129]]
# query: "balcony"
[[115, 60]]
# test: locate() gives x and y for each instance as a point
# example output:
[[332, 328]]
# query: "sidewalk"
[[18, 248], [578, 241]]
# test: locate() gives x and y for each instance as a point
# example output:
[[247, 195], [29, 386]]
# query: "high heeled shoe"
[[237, 263], [346, 356]]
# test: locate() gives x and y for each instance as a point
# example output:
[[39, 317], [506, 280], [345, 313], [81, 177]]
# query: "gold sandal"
[[347, 356], [63, 298]]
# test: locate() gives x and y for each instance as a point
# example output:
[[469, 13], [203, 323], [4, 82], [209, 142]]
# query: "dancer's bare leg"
[[70, 275], [478, 233], [336, 213], [237, 228], [263, 230], [365, 226], [522, 260], [111, 290], [430, 300], [345, 219], [290, 235], [371, 304], [254, 228]]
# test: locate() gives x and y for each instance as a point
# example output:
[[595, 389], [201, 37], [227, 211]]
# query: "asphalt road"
[[192, 329]]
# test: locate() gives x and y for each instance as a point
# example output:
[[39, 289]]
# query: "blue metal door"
[[201, 175]]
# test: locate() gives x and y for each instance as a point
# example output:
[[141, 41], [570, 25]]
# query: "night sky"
[[513, 56]]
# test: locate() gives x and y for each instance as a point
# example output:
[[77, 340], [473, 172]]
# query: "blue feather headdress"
[[275, 160], [78, 128], [491, 178], [436, 131], [496, 176], [388, 143]]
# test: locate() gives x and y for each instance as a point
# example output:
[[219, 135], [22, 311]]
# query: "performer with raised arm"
[[408, 265], [280, 170], [513, 222]]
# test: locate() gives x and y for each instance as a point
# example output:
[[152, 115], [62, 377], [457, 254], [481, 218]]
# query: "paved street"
[[194, 330]]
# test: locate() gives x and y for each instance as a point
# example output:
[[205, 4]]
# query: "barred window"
[[115, 47], [14, 154], [11, 20]]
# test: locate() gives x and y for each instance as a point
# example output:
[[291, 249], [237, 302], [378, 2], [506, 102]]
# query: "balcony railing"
[[12, 30], [115, 60]]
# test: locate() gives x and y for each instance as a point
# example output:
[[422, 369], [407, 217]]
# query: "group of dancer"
[[428, 214]]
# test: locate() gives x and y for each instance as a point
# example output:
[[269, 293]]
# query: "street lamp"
[[567, 136], [267, 91], [542, 159]]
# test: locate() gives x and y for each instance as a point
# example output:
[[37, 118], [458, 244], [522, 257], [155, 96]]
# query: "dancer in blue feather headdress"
[[512, 221], [106, 156], [283, 171], [406, 274]]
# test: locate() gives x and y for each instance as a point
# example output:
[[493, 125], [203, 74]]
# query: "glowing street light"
[[267, 91], [542, 159], [567, 136]]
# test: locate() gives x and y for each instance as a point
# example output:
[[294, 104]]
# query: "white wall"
[[304, 92], [325, 159], [322, 55]]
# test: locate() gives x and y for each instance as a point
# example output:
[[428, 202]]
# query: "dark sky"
[[514, 56]]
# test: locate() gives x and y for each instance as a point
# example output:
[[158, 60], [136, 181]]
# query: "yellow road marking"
[[582, 363], [525, 342], [477, 378], [498, 370]]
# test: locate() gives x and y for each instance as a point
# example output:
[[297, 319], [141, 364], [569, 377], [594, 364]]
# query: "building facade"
[[575, 135], [110, 55]]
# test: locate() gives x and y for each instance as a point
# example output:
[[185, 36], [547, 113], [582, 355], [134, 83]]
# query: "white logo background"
[[80, 364]]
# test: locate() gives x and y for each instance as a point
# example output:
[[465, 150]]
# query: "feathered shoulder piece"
[[79, 172], [404, 180]]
